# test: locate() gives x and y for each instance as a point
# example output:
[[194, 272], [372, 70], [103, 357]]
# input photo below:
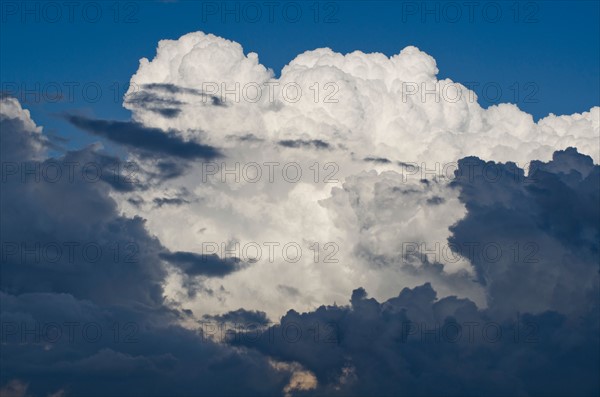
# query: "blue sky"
[[542, 55]]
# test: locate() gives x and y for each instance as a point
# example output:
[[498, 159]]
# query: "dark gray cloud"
[[241, 316], [93, 321], [301, 143], [97, 350], [177, 201], [62, 232], [246, 138], [150, 100], [140, 138], [379, 160], [159, 98], [209, 265], [548, 222], [435, 200], [415, 344], [167, 169], [171, 89], [136, 200], [168, 113]]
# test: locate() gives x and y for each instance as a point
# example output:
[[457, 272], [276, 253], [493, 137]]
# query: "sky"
[[299, 198]]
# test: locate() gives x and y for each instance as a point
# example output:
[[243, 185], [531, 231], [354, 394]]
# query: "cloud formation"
[[151, 140], [392, 107], [83, 310], [417, 344], [341, 179], [373, 158]]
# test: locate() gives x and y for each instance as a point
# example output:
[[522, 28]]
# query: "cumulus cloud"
[[417, 344], [94, 321], [370, 103], [540, 278], [375, 158], [97, 350], [546, 235], [263, 197]]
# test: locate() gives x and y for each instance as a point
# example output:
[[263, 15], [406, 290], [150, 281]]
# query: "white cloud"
[[376, 110], [366, 108], [11, 109]]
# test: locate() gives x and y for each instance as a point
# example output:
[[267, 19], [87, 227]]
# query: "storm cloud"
[[429, 260]]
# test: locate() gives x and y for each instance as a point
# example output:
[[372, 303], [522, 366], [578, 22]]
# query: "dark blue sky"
[[542, 55]]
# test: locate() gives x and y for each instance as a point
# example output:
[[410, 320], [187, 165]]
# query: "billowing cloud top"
[[393, 108]]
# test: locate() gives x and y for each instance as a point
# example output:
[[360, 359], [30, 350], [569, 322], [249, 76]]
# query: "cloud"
[[410, 201], [381, 186], [417, 344], [202, 264], [398, 183], [372, 104], [540, 226], [94, 349], [138, 137], [108, 257], [241, 316], [298, 143], [14, 388], [159, 98], [160, 201], [377, 160], [95, 321]]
